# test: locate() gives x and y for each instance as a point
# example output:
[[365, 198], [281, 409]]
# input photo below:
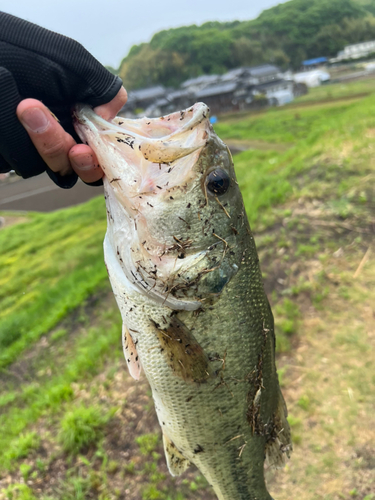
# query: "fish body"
[[185, 272]]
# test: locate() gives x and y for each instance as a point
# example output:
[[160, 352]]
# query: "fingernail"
[[35, 120], [84, 162]]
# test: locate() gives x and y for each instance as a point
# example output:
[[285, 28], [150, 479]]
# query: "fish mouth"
[[138, 153], [146, 163]]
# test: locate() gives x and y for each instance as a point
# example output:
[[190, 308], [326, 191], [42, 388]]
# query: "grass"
[[51, 263], [68, 409], [147, 443], [54, 389], [81, 428]]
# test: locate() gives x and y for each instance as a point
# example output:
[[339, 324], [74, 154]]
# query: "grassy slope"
[[49, 264], [313, 211]]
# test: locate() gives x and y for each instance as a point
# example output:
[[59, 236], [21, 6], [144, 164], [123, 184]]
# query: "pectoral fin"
[[177, 463], [130, 353], [184, 354]]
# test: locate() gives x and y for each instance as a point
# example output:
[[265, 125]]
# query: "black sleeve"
[[38, 63]]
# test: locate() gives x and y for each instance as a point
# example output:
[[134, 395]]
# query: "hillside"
[[285, 35], [75, 426]]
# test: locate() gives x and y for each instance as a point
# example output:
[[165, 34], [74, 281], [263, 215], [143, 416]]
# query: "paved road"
[[40, 194]]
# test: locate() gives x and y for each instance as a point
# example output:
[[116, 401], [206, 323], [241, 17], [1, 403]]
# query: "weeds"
[[81, 428], [147, 443], [21, 447], [19, 492]]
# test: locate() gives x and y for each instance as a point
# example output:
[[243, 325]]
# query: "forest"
[[284, 35]]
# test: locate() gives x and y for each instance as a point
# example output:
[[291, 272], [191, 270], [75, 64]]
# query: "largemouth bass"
[[185, 272]]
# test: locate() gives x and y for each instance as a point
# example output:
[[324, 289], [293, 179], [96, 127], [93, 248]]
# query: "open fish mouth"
[[148, 163], [137, 156]]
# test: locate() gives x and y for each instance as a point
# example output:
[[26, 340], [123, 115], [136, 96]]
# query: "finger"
[[109, 110], [85, 163], [49, 138]]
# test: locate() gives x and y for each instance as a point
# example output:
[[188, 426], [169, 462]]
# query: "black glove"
[[38, 63]]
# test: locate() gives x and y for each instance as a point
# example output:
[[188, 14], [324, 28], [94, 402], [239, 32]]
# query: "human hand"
[[47, 72], [57, 148]]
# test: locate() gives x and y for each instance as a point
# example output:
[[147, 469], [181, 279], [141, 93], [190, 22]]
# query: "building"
[[314, 63], [312, 78], [238, 89], [264, 73], [200, 82], [278, 92], [141, 99], [355, 51], [172, 101], [221, 97]]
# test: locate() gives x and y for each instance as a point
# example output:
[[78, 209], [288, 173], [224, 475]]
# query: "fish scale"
[[185, 272]]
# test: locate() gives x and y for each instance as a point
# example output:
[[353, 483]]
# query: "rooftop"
[[316, 60], [149, 93], [263, 70], [199, 80], [220, 88]]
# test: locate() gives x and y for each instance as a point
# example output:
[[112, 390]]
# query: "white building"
[[355, 51], [312, 78]]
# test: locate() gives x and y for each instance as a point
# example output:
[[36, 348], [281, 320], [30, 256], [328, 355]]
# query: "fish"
[[184, 269]]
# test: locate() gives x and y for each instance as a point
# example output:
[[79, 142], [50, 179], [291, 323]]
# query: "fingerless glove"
[[38, 63]]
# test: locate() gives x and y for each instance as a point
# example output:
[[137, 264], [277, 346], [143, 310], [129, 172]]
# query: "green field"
[[74, 425]]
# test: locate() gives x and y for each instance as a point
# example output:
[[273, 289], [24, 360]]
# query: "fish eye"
[[218, 181]]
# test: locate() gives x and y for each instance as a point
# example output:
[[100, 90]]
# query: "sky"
[[108, 28]]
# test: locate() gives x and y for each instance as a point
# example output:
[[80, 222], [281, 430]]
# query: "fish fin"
[[279, 445], [177, 463], [130, 353], [184, 354]]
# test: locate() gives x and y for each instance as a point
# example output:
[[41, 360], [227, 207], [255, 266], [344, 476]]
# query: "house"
[[238, 89], [172, 101], [314, 63], [263, 74], [355, 51], [235, 74], [219, 97], [312, 78], [278, 92], [199, 83], [141, 99]]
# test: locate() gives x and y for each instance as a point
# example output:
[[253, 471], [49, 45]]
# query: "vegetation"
[[53, 274], [81, 427], [74, 425], [284, 35]]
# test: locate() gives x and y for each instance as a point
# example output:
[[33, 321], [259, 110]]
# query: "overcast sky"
[[108, 28]]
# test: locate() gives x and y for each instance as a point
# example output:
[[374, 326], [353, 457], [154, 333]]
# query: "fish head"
[[173, 203]]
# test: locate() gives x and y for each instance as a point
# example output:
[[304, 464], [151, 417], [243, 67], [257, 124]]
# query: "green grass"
[[19, 492], [147, 443], [33, 399], [22, 446], [48, 266], [338, 91], [269, 178], [81, 428]]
